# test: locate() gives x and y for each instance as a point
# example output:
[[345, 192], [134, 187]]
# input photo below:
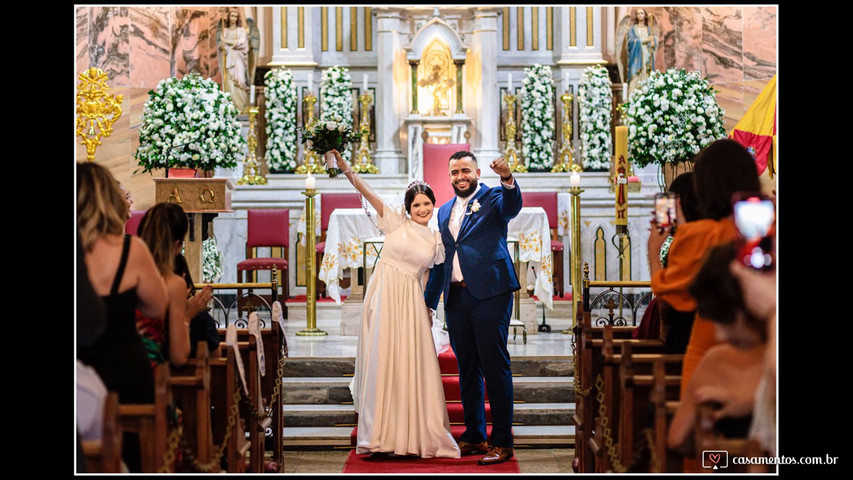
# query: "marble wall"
[[137, 47], [735, 47]]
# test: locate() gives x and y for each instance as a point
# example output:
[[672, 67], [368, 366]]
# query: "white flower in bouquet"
[[280, 93], [595, 97], [537, 118], [170, 134], [688, 118]]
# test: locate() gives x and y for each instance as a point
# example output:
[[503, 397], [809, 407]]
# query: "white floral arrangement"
[[335, 91], [189, 122], [280, 93], [537, 118], [671, 116], [595, 97], [211, 267]]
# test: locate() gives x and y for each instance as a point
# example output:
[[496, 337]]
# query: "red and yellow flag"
[[757, 129]]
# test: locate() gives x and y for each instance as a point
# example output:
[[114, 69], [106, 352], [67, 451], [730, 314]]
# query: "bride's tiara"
[[418, 182]]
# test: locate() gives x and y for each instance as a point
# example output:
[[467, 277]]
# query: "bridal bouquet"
[[330, 134]]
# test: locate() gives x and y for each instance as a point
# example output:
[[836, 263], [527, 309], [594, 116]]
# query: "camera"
[[754, 216]]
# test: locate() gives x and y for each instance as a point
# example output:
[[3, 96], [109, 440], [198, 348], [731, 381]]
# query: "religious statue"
[[440, 88], [638, 44], [238, 51]]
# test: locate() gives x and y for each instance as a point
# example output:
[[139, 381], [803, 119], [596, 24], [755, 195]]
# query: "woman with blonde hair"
[[163, 228], [124, 276]]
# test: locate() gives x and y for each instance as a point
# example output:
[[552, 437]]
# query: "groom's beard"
[[472, 185]]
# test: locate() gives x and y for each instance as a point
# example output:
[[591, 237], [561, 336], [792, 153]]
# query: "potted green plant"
[[188, 123]]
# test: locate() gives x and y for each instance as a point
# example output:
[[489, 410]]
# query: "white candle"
[[252, 96], [310, 182], [624, 92], [566, 81], [310, 84], [575, 179], [509, 83], [364, 89]]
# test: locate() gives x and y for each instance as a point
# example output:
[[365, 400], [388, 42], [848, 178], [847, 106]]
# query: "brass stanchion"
[[310, 160], [510, 150], [575, 271], [363, 163], [311, 264], [251, 171]]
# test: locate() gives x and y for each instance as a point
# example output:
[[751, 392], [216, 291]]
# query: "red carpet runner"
[[467, 464]]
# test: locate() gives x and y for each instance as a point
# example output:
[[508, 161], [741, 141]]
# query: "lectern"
[[196, 196]]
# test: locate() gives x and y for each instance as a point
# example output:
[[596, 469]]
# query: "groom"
[[477, 280]]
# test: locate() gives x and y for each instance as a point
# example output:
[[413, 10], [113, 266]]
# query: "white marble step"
[[340, 436]]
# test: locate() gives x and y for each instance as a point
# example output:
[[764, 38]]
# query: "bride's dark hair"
[[415, 188]]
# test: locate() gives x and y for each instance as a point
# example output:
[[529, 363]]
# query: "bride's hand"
[[342, 164]]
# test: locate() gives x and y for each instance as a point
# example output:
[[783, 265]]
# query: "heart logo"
[[714, 457]]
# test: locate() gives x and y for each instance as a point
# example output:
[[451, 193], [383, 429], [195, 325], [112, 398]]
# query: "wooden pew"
[[227, 423], [638, 386], [191, 392], [707, 437], [104, 455], [151, 423]]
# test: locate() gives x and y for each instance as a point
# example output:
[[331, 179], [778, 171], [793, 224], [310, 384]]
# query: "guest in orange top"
[[721, 169]]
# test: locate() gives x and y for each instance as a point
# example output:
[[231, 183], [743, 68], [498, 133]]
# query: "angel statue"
[[238, 54], [637, 46]]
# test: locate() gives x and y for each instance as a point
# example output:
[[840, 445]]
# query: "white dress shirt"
[[457, 214]]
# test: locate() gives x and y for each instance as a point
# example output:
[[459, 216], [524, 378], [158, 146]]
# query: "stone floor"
[[530, 460]]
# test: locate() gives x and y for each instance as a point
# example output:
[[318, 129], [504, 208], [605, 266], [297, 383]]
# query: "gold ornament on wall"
[[97, 109]]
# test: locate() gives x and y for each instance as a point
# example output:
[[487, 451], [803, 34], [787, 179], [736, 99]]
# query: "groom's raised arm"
[[509, 202], [435, 285]]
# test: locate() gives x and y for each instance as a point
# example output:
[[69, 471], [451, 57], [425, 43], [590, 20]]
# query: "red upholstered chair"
[[548, 201], [266, 228], [436, 156], [132, 225], [328, 203]]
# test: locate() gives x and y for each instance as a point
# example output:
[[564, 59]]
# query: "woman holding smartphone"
[[721, 169]]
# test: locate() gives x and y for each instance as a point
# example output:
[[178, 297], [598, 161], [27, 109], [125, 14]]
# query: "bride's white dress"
[[397, 389]]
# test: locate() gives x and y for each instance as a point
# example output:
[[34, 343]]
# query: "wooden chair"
[[267, 228], [328, 203], [227, 420], [548, 201], [435, 159], [104, 455], [707, 437]]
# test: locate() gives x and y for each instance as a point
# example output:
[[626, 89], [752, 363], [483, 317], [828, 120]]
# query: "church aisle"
[[530, 460]]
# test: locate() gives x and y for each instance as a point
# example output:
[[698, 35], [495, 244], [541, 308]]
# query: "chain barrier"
[[171, 450], [577, 383], [646, 438]]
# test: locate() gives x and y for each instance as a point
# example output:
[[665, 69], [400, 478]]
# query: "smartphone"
[[754, 216], [665, 212]]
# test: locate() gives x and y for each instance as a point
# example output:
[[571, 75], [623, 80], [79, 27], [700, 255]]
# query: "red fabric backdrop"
[[436, 156]]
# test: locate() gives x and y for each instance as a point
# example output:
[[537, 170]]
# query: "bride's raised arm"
[[359, 184]]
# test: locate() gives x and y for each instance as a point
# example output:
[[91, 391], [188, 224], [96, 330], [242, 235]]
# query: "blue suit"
[[478, 316]]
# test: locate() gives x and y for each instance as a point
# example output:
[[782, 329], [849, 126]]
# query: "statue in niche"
[[440, 87], [638, 34], [238, 51]]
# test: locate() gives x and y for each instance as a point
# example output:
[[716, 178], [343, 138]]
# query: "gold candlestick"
[[311, 264], [94, 105], [364, 162], [510, 150], [566, 156], [310, 160], [251, 171]]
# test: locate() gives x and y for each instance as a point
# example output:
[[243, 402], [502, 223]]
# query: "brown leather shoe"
[[496, 455], [466, 448]]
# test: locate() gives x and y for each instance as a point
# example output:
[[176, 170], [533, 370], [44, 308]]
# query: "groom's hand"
[[500, 167]]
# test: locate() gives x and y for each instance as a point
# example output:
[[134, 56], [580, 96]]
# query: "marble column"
[[573, 34], [290, 27], [484, 47], [391, 99]]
